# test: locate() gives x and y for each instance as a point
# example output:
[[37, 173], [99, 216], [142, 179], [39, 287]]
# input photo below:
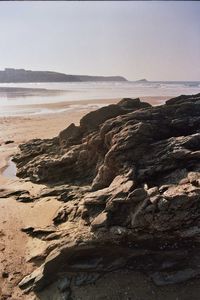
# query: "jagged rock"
[[92, 120], [38, 232], [100, 221], [61, 216], [70, 135], [131, 172], [26, 198], [5, 193]]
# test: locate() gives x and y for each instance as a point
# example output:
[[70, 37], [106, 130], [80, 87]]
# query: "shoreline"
[[76, 114], [64, 106]]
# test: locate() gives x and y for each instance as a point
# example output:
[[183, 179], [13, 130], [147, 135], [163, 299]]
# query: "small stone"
[[5, 274], [9, 142]]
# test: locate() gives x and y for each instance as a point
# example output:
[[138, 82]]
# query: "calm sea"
[[73, 91]]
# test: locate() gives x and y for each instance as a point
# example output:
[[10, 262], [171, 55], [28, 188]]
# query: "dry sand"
[[15, 246]]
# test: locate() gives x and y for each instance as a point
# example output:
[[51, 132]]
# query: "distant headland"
[[142, 80], [20, 75]]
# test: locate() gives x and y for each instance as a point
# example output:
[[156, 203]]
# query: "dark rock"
[[5, 193], [38, 232], [70, 135], [28, 229], [166, 278], [8, 142], [26, 198], [131, 173], [66, 295], [86, 278], [5, 274], [64, 283], [129, 103], [61, 216]]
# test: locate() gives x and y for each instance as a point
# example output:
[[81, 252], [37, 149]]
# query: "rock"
[[86, 278], [138, 195], [100, 221], [28, 229], [5, 193], [25, 198], [128, 182], [5, 274], [166, 278], [60, 217], [129, 103], [70, 135], [92, 120], [153, 191], [64, 283], [38, 232], [66, 295], [194, 178], [9, 142], [163, 204], [118, 230]]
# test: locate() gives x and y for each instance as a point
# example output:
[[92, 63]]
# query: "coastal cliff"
[[128, 179], [10, 75]]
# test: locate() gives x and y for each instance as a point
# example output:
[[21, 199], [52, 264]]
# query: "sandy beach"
[[16, 247]]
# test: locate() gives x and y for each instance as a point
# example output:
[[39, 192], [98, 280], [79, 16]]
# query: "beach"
[[16, 246], [20, 254], [100, 150]]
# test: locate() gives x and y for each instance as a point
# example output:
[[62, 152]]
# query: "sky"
[[154, 40]]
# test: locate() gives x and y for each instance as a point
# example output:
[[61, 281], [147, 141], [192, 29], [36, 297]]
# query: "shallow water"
[[17, 111], [76, 91], [11, 170]]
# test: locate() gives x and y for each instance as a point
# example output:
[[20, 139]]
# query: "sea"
[[16, 103]]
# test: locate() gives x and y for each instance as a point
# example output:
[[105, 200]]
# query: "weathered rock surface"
[[132, 175]]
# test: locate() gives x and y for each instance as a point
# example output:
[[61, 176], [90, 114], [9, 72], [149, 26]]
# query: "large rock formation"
[[21, 75], [129, 179]]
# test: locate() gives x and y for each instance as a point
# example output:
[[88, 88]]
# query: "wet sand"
[[15, 246]]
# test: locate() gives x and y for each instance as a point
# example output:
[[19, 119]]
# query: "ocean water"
[[10, 102]]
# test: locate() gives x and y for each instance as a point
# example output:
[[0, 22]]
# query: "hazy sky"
[[153, 40]]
